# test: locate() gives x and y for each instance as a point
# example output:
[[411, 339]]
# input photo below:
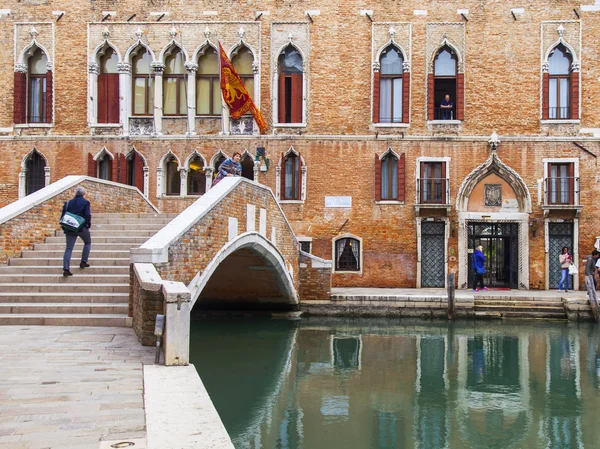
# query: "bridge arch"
[[245, 246]]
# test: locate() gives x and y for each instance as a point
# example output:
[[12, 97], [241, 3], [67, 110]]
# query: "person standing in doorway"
[[229, 167], [565, 260], [78, 206], [478, 269], [446, 106]]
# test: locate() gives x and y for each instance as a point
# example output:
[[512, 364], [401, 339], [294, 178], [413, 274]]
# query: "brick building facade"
[[370, 169]]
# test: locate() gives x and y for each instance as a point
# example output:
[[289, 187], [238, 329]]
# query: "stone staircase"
[[489, 306], [33, 290]]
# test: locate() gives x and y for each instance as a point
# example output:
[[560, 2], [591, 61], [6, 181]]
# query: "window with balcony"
[[559, 83], [432, 183], [560, 184], [444, 70]]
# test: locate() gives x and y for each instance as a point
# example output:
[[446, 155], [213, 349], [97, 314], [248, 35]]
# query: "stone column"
[[124, 70], [192, 68], [158, 68], [208, 174], [22, 183], [94, 71], [256, 97], [183, 172], [46, 176], [146, 182]]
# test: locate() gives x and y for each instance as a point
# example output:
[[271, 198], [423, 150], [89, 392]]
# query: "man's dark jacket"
[[79, 206]]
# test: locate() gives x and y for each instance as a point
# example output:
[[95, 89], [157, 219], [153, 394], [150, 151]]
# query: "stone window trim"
[[541, 182], [406, 80], [21, 71], [98, 157], [161, 176], [145, 169], [93, 73], [276, 93], [303, 174], [400, 179], [256, 167], [23, 172], [334, 259], [444, 159], [307, 241], [574, 77], [186, 168]]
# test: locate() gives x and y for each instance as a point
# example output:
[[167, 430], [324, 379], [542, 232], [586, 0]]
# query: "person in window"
[[565, 260], [78, 206], [478, 269], [446, 106], [229, 167]]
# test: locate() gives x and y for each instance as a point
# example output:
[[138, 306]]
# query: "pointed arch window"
[[143, 83], [559, 83], [222, 158], [290, 89], [247, 167], [243, 61], [347, 254], [174, 84], [173, 177], [135, 170], [37, 88], [445, 84], [390, 86], [35, 174], [291, 177], [390, 177], [208, 90], [108, 87], [196, 177], [105, 166]]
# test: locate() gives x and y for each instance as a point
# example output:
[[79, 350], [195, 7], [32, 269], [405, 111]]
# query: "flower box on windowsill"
[[560, 122], [391, 125]]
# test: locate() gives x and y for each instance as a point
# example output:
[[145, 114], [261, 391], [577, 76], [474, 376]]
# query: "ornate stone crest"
[[492, 195]]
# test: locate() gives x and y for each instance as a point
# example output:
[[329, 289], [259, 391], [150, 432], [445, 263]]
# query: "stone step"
[[535, 315], [104, 239], [66, 319], [106, 232], [79, 276], [79, 246], [33, 297], [133, 215], [35, 260], [127, 227], [555, 303], [67, 287], [521, 308], [71, 308], [57, 269], [492, 297], [130, 221], [30, 254]]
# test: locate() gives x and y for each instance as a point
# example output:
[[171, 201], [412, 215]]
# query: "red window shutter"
[[121, 168], [376, 96], [460, 96], [545, 94], [430, 97], [114, 170], [282, 178], [281, 99], [49, 90], [103, 98], [571, 183], [575, 95], [377, 178], [20, 98], [139, 171], [444, 198], [297, 97], [299, 178], [92, 166], [402, 177], [405, 97], [112, 96]]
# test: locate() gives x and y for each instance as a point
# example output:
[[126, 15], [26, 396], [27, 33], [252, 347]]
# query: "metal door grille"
[[500, 243], [432, 254], [560, 235], [36, 175]]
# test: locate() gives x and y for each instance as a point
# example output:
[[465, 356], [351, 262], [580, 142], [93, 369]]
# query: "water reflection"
[[383, 384]]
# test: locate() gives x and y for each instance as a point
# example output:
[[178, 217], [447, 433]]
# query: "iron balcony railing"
[[562, 113], [444, 113], [433, 191], [561, 191]]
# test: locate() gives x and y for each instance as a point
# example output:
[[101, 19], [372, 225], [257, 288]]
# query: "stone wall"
[[40, 221], [315, 278]]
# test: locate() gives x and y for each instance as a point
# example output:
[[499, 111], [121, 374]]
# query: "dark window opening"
[[389, 177], [36, 173], [196, 177], [445, 69], [173, 181], [105, 168], [218, 163], [248, 167], [347, 255], [292, 178], [305, 246], [288, 99]]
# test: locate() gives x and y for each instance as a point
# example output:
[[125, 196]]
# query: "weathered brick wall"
[[315, 283], [144, 306], [198, 246], [41, 221]]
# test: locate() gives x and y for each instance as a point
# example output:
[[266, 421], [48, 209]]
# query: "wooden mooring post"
[[589, 284], [451, 297]]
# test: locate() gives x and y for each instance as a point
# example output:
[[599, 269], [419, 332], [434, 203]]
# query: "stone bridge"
[[232, 247]]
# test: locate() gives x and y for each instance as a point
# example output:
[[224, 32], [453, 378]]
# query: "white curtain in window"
[[384, 178], [553, 98], [354, 246], [564, 98], [170, 95], [34, 99], [385, 100], [339, 248], [564, 185], [397, 100], [289, 173]]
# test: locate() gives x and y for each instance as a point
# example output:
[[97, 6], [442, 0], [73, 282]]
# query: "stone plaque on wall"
[[493, 195]]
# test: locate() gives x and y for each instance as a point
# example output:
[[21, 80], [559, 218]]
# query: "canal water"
[[384, 384]]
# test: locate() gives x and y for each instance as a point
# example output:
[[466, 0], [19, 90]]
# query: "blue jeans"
[[84, 234], [564, 279]]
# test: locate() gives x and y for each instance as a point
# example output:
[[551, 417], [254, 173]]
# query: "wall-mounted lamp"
[[452, 227], [533, 224]]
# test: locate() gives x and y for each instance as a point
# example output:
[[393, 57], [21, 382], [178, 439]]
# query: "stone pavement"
[[70, 387]]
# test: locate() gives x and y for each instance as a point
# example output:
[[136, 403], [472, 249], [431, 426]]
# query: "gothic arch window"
[[290, 91], [108, 86], [37, 87], [347, 253], [247, 166], [135, 170], [35, 174], [242, 61], [291, 177], [559, 83], [174, 83], [445, 84], [217, 163], [105, 167], [390, 85], [390, 177], [172, 176], [196, 178], [208, 90], [142, 82]]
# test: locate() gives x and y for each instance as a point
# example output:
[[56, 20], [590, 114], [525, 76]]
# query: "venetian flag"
[[235, 93]]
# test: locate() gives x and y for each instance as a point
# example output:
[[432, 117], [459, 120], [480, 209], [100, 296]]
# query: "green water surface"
[[382, 384]]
